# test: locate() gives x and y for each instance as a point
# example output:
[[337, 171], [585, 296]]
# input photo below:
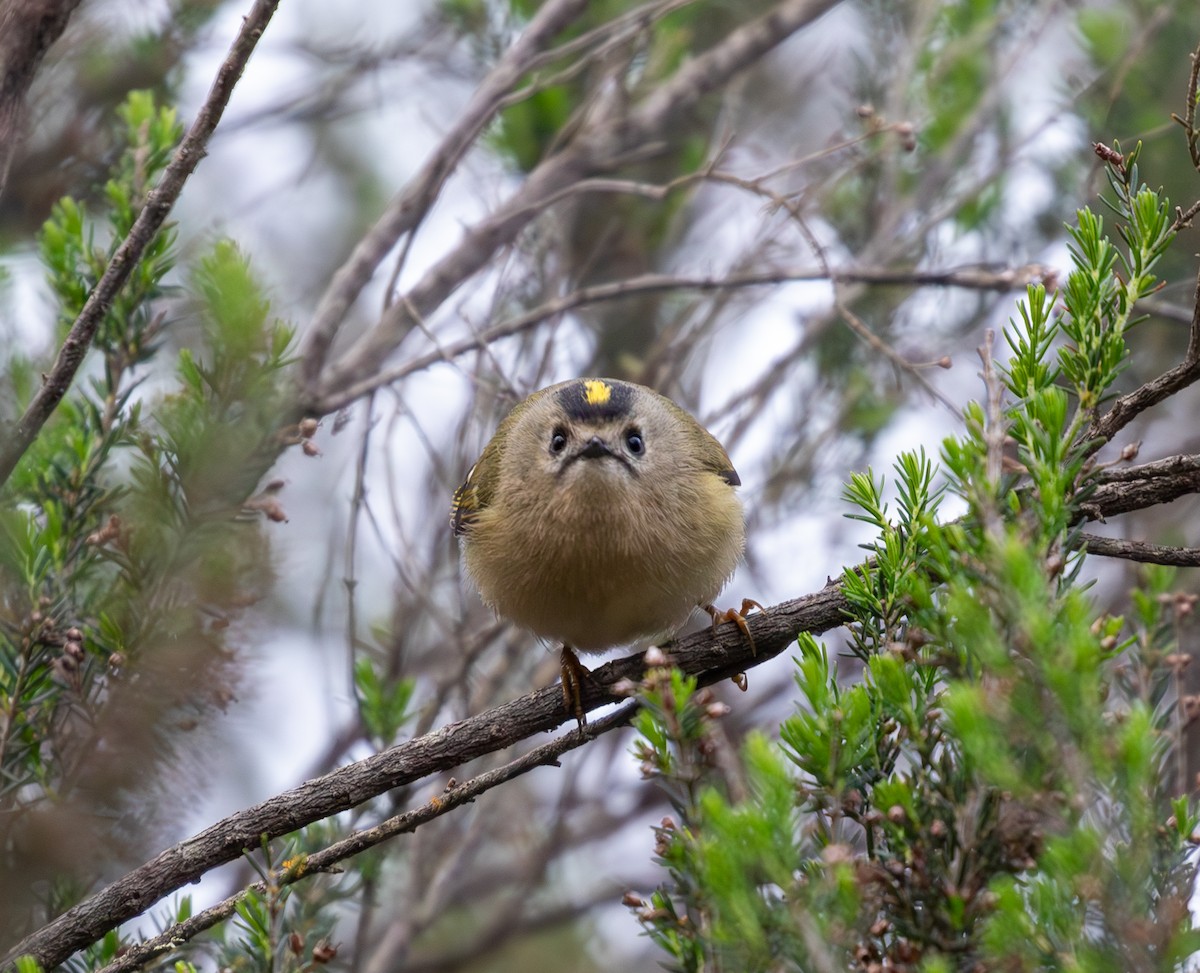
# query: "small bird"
[[600, 514]]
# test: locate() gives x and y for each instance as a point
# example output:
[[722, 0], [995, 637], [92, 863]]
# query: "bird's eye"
[[634, 442], [558, 440]]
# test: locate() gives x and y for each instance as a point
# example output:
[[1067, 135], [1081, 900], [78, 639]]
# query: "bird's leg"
[[737, 616], [573, 675]]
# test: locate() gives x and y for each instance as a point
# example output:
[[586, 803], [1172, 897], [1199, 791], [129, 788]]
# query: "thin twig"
[[455, 795], [596, 149], [410, 207], [1128, 407], [1181, 557], [711, 656], [970, 278], [149, 221]]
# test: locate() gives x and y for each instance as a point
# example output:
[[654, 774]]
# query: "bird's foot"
[[573, 676], [737, 616]]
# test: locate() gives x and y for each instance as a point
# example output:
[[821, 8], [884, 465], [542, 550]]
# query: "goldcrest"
[[600, 513]]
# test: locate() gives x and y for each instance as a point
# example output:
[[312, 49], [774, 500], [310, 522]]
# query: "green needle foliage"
[[996, 786], [125, 551]]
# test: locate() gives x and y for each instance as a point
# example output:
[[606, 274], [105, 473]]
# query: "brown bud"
[[108, 532], [1109, 155], [308, 427], [896, 814], [632, 900], [324, 951], [837, 854], [1184, 603], [655, 657], [1191, 706], [268, 506]]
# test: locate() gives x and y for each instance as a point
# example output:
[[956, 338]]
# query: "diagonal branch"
[[455, 795], [149, 221], [709, 655]]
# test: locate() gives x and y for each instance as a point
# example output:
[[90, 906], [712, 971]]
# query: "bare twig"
[[1146, 485], [409, 208], [594, 150], [1182, 557], [970, 278], [149, 221], [1189, 120]]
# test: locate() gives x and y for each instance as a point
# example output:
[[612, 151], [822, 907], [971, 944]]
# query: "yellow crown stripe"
[[596, 392]]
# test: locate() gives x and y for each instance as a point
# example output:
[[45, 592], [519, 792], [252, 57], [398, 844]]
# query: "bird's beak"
[[595, 448]]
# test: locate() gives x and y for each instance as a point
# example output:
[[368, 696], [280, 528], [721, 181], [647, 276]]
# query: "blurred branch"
[[149, 221], [608, 140], [970, 278], [709, 655], [28, 28], [409, 208]]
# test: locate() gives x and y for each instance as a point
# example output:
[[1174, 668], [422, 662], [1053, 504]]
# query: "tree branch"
[[409, 208], [1182, 557], [1147, 485], [970, 278], [149, 221], [28, 28], [455, 795], [709, 655], [595, 150]]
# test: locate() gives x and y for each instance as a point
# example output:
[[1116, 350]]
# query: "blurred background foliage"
[[203, 602]]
